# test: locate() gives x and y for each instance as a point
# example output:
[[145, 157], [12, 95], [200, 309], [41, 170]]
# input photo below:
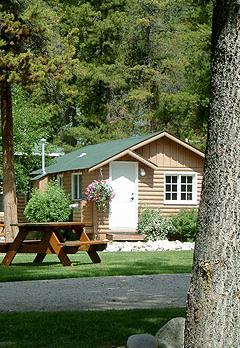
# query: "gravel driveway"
[[124, 292]]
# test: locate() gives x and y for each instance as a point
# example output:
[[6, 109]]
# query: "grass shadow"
[[87, 329]]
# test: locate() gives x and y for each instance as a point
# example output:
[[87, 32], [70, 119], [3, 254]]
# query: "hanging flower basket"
[[101, 192]]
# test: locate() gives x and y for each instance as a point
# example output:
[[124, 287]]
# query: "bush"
[[185, 223], [51, 204], [153, 226]]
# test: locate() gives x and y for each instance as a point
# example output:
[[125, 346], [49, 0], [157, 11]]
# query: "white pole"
[[43, 142]]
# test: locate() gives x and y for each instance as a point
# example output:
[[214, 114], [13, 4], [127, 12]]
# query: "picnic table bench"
[[52, 242]]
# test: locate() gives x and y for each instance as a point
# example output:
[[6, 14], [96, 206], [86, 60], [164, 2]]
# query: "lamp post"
[[43, 142]]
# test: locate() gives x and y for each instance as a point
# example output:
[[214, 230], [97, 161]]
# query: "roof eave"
[[105, 162], [121, 154], [38, 177], [142, 160]]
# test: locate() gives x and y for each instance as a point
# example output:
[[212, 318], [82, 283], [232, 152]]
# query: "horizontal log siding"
[[87, 211], [100, 217], [169, 157], [21, 204], [43, 183], [151, 191], [87, 207]]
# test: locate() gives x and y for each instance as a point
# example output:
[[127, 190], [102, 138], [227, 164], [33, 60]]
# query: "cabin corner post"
[[95, 220]]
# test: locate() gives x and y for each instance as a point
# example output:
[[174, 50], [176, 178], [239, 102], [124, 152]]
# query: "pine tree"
[[31, 51]]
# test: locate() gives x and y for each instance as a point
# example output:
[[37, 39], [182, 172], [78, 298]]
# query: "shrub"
[[52, 204], [153, 226], [185, 223]]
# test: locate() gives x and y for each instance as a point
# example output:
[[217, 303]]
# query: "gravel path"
[[156, 291]]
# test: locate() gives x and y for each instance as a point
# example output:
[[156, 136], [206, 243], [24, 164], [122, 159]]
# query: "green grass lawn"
[[113, 264], [88, 329]]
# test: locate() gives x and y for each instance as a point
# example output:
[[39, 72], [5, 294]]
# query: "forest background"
[[140, 66]]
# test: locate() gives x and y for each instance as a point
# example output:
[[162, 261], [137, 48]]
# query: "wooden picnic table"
[[51, 242]]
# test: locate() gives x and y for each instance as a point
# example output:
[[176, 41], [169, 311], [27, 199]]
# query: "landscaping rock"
[[187, 246], [171, 335], [142, 341], [113, 247], [127, 246], [159, 245]]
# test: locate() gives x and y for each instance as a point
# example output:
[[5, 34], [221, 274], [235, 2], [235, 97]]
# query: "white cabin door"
[[123, 214]]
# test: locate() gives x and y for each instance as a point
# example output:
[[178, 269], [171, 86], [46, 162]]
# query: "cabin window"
[[180, 188], [1, 202], [77, 186], [60, 180]]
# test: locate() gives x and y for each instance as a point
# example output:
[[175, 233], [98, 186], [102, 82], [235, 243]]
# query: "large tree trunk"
[[213, 310], [9, 187]]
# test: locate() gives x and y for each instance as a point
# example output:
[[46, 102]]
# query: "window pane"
[[168, 188], [183, 196], [79, 186], [60, 180], [179, 187], [1, 202], [168, 179], [78, 182], [183, 179], [174, 179], [189, 179], [75, 188], [183, 188], [168, 196]]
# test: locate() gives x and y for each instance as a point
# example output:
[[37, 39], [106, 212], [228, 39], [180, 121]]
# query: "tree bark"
[[9, 186], [213, 308]]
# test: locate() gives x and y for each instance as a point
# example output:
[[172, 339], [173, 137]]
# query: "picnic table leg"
[[13, 249], [39, 258], [94, 256], [45, 240], [91, 253], [59, 250], [51, 241]]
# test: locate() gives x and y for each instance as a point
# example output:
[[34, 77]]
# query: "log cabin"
[[157, 171]]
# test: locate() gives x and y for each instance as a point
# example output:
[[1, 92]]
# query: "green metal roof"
[[91, 155]]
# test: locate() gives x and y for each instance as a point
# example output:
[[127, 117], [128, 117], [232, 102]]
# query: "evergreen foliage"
[[32, 52], [142, 66], [93, 71]]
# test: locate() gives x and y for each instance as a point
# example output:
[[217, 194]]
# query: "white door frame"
[[135, 197]]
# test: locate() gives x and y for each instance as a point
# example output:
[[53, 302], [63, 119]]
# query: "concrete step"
[[121, 237]]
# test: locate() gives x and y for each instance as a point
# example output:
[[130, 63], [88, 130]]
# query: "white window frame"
[[60, 180], [79, 186], [178, 201]]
